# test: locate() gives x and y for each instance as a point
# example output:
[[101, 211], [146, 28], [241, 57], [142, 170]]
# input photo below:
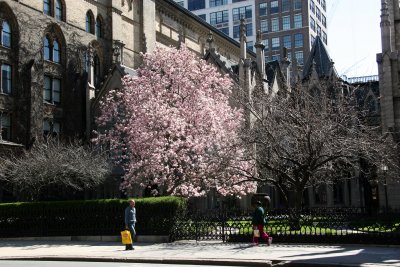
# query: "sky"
[[354, 36]]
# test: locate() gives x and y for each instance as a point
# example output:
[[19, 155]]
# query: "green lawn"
[[318, 227], [308, 226]]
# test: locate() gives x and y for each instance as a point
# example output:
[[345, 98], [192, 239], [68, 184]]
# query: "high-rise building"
[[225, 15], [293, 24]]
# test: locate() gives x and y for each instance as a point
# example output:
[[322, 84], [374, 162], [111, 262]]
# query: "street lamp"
[[384, 169]]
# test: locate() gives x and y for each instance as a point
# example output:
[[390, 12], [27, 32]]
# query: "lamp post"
[[384, 169]]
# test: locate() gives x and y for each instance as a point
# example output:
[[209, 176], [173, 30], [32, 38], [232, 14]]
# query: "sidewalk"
[[211, 253]]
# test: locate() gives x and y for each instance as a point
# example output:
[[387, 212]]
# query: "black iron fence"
[[156, 216], [327, 225]]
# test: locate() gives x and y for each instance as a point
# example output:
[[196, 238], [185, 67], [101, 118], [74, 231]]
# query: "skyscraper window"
[[219, 17], [263, 9], [298, 21], [274, 24], [196, 4], [264, 25], [285, 5], [298, 40], [242, 12], [274, 7], [286, 23], [287, 41], [275, 44], [214, 3]]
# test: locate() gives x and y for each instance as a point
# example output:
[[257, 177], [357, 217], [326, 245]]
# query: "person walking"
[[130, 221], [258, 222]]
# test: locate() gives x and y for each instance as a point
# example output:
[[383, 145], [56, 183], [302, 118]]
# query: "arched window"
[[59, 10], [89, 22], [55, 8], [6, 34], [51, 49], [47, 7], [56, 52], [46, 48], [99, 27]]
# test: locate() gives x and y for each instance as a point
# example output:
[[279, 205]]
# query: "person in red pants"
[[258, 224]]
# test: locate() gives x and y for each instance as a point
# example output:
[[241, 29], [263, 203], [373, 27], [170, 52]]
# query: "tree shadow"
[[353, 256]]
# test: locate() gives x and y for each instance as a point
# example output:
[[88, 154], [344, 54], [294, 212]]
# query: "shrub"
[[54, 164], [155, 216]]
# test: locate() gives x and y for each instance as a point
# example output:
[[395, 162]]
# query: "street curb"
[[322, 264], [210, 261]]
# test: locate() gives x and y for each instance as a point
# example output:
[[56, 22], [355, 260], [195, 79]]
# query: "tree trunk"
[[298, 199], [295, 214]]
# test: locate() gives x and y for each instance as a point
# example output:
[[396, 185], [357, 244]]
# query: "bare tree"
[[308, 137], [54, 164]]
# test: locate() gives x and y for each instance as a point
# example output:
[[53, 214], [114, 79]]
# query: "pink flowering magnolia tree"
[[176, 127]]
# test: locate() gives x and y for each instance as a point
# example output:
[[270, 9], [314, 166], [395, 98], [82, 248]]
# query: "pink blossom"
[[176, 126]]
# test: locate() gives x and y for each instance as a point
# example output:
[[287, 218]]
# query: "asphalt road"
[[87, 264]]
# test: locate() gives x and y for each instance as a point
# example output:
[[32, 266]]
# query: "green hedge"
[[155, 216]]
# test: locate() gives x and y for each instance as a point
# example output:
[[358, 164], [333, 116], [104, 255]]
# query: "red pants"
[[263, 234]]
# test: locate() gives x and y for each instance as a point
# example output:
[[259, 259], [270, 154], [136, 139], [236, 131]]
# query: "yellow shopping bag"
[[126, 237]]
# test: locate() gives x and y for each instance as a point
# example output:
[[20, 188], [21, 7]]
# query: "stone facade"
[[388, 62], [60, 55], [388, 69]]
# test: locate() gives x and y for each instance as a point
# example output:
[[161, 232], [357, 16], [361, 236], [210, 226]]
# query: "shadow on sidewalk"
[[31, 245], [350, 255]]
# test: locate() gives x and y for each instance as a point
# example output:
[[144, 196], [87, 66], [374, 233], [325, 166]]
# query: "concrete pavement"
[[211, 253]]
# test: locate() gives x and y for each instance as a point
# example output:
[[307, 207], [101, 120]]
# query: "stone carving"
[[129, 2], [118, 51], [210, 40]]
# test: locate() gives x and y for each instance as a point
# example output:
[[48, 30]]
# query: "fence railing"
[[327, 225], [86, 218]]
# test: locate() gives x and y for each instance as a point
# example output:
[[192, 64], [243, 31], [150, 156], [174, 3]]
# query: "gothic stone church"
[[59, 57]]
